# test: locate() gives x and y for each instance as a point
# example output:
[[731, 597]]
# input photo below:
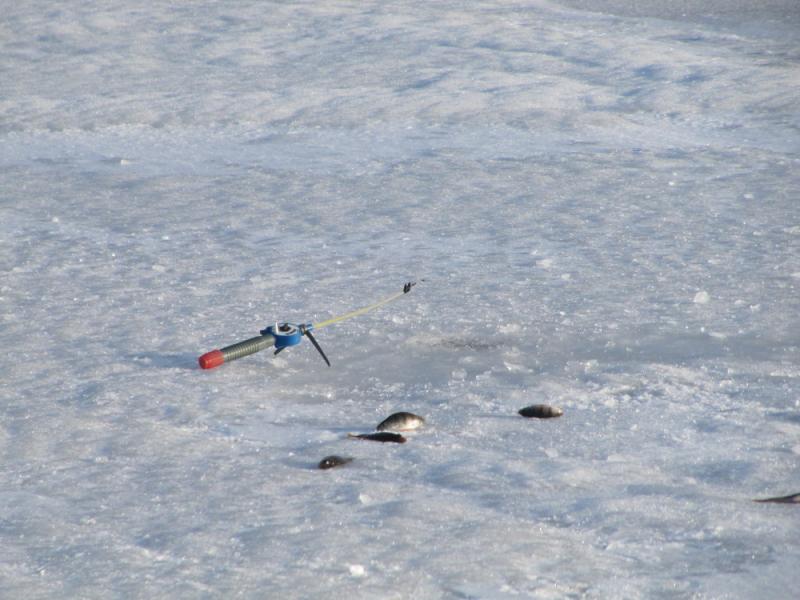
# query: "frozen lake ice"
[[599, 200]]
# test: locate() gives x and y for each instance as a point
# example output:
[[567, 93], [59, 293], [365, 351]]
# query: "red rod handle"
[[215, 358]]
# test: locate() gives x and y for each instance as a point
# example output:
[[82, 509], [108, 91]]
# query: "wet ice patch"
[[702, 297], [357, 571]]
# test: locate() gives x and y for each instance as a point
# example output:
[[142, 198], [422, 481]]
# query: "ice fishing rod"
[[282, 335]]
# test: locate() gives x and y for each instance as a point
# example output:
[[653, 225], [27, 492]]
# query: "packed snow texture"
[[599, 201]]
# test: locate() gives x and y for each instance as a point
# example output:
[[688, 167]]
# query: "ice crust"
[[600, 204]]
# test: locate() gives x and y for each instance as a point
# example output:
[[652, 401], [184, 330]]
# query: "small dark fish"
[[401, 421], [334, 461], [792, 499], [541, 411], [383, 436]]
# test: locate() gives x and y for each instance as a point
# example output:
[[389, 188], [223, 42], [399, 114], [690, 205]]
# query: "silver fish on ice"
[[334, 461], [541, 411], [401, 421], [381, 436], [791, 499]]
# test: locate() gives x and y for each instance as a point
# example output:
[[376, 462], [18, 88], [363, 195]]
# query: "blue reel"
[[290, 334], [285, 334]]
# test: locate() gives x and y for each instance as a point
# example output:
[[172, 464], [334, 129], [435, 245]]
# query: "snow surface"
[[601, 198]]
